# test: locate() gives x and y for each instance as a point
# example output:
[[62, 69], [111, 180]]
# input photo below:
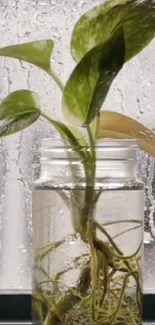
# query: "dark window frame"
[[17, 307]]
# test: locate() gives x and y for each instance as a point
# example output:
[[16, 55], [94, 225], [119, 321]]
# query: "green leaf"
[[119, 126], [18, 123], [136, 17], [91, 79], [17, 103], [37, 53], [18, 110]]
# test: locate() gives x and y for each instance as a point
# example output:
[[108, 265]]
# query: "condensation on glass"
[[63, 255], [132, 93]]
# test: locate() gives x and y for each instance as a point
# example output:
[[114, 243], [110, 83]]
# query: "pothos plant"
[[103, 40]]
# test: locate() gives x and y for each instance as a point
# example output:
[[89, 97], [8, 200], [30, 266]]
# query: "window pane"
[[147, 175], [133, 93]]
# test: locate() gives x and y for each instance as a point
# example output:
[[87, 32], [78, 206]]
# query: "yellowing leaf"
[[119, 126]]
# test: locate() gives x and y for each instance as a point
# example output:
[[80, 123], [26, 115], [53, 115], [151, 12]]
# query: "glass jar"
[[88, 238]]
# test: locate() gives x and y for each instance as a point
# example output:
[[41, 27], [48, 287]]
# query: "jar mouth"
[[112, 143], [106, 149]]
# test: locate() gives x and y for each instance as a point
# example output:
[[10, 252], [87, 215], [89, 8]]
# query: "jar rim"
[[106, 149], [49, 143]]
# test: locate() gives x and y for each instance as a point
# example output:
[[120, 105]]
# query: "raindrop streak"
[[141, 110]]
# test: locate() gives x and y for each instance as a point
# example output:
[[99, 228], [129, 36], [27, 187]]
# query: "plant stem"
[[46, 117], [92, 144], [56, 78], [94, 270]]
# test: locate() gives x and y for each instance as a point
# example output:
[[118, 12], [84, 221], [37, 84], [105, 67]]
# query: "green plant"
[[102, 41]]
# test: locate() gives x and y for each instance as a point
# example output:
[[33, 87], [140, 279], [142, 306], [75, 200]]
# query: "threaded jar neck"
[[105, 149], [115, 161]]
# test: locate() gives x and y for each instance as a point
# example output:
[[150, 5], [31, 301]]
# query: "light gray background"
[[133, 93]]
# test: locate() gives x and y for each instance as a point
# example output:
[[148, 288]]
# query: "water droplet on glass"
[[81, 3], [149, 83], [53, 2], [61, 212], [44, 3]]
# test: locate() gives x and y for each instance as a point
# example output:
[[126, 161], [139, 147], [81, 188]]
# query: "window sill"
[[30, 323], [17, 309]]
